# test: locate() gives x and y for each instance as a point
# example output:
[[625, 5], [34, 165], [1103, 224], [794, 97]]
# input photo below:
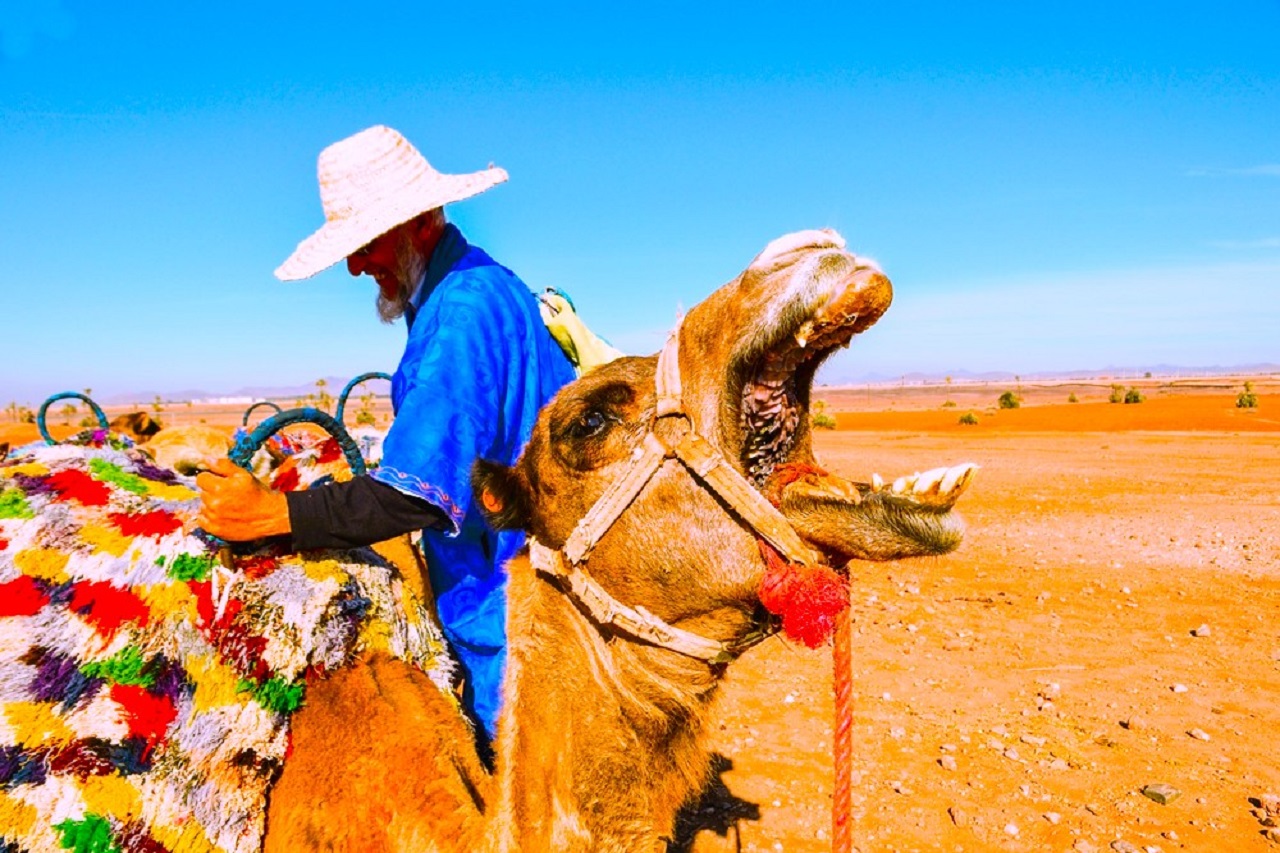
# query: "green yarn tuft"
[[13, 504]]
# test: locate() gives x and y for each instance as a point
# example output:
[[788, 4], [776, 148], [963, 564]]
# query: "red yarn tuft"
[[156, 523], [73, 484], [107, 607], [330, 450], [21, 596], [287, 479], [4, 543], [147, 715], [256, 567], [810, 599]]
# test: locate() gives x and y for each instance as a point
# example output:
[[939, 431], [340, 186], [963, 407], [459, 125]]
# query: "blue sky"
[[1050, 186]]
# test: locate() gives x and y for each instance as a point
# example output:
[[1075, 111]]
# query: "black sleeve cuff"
[[358, 512]]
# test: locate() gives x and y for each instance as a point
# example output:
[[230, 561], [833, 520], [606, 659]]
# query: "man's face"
[[395, 264], [379, 259]]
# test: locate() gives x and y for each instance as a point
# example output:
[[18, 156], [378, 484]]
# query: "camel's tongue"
[[808, 598], [797, 479]]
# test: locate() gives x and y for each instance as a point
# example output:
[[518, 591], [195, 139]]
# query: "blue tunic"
[[478, 366]]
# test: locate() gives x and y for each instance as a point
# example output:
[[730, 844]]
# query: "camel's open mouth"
[[832, 296], [776, 384]]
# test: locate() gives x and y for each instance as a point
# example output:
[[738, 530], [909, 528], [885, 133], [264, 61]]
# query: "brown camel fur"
[[599, 740]]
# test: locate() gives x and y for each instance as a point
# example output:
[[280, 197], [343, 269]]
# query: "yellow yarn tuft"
[[215, 683], [106, 539], [36, 723], [44, 563], [111, 794], [169, 491], [30, 469]]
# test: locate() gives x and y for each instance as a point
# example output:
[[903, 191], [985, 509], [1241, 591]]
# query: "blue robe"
[[478, 366]]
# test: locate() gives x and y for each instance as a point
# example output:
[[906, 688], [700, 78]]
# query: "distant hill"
[[1110, 372], [278, 393]]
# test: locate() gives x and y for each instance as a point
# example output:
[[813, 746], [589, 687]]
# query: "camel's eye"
[[589, 424]]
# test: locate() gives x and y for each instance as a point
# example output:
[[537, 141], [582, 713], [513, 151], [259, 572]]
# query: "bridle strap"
[[710, 468], [636, 622]]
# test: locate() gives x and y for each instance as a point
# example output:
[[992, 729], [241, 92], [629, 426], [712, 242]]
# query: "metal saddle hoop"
[[65, 395], [340, 411], [245, 421], [242, 453]]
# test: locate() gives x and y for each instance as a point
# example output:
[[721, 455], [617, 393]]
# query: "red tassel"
[[107, 607], [810, 599], [21, 597]]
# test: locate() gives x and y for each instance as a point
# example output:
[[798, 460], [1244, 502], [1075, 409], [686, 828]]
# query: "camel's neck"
[[599, 741]]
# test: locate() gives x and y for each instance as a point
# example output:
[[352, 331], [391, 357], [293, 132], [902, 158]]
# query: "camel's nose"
[[868, 296]]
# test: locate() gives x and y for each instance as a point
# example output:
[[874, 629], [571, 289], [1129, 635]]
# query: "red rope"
[[842, 743]]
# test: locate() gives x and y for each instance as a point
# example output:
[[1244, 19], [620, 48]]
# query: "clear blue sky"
[[1049, 185]]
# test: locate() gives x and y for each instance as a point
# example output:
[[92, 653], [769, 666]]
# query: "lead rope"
[[842, 742]]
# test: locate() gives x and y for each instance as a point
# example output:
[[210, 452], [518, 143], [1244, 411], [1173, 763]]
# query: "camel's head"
[[747, 358]]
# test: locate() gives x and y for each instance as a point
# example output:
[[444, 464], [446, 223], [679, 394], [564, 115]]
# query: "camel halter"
[[670, 436]]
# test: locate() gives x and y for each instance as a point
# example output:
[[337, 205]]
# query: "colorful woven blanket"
[[146, 682]]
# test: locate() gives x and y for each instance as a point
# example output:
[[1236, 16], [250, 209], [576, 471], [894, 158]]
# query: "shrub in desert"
[[820, 418], [969, 419], [1009, 400], [949, 404], [1133, 395], [1247, 399], [1117, 394], [1071, 398]]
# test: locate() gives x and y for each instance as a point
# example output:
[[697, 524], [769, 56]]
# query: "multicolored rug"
[[146, 681]]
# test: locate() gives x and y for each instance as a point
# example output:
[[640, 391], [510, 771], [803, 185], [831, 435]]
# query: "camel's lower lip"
[[873, 521]]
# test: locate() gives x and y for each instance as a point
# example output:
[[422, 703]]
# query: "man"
[[477, 367]]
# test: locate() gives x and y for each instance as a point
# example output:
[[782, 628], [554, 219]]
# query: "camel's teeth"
[[957, 478], [877, 482], [928, 481], [900, 485]]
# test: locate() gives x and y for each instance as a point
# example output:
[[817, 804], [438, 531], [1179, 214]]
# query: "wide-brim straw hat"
[[370, 183]]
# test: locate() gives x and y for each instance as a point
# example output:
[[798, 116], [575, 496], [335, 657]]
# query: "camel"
[[599, 740], [150, 682]]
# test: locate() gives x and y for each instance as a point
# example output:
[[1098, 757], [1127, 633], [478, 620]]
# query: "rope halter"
[[670, 436]]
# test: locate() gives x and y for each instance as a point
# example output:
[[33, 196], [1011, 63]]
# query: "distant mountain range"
[[291, 393], [1164, 371], [277, 393]]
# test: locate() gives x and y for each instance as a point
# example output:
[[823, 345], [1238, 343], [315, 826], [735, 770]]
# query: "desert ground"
[[1112, 621]]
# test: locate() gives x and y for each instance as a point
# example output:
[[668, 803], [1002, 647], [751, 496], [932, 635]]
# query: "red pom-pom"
[[808, 598], [73, 484]]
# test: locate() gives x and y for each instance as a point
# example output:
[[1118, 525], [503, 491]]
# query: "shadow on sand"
[[716, 810]]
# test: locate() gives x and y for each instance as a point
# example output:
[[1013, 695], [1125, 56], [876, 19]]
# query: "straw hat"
[[369, 184]]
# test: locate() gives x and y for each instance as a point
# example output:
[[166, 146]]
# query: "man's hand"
[[236, 507]]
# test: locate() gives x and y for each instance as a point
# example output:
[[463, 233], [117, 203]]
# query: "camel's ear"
[[503, 494]]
